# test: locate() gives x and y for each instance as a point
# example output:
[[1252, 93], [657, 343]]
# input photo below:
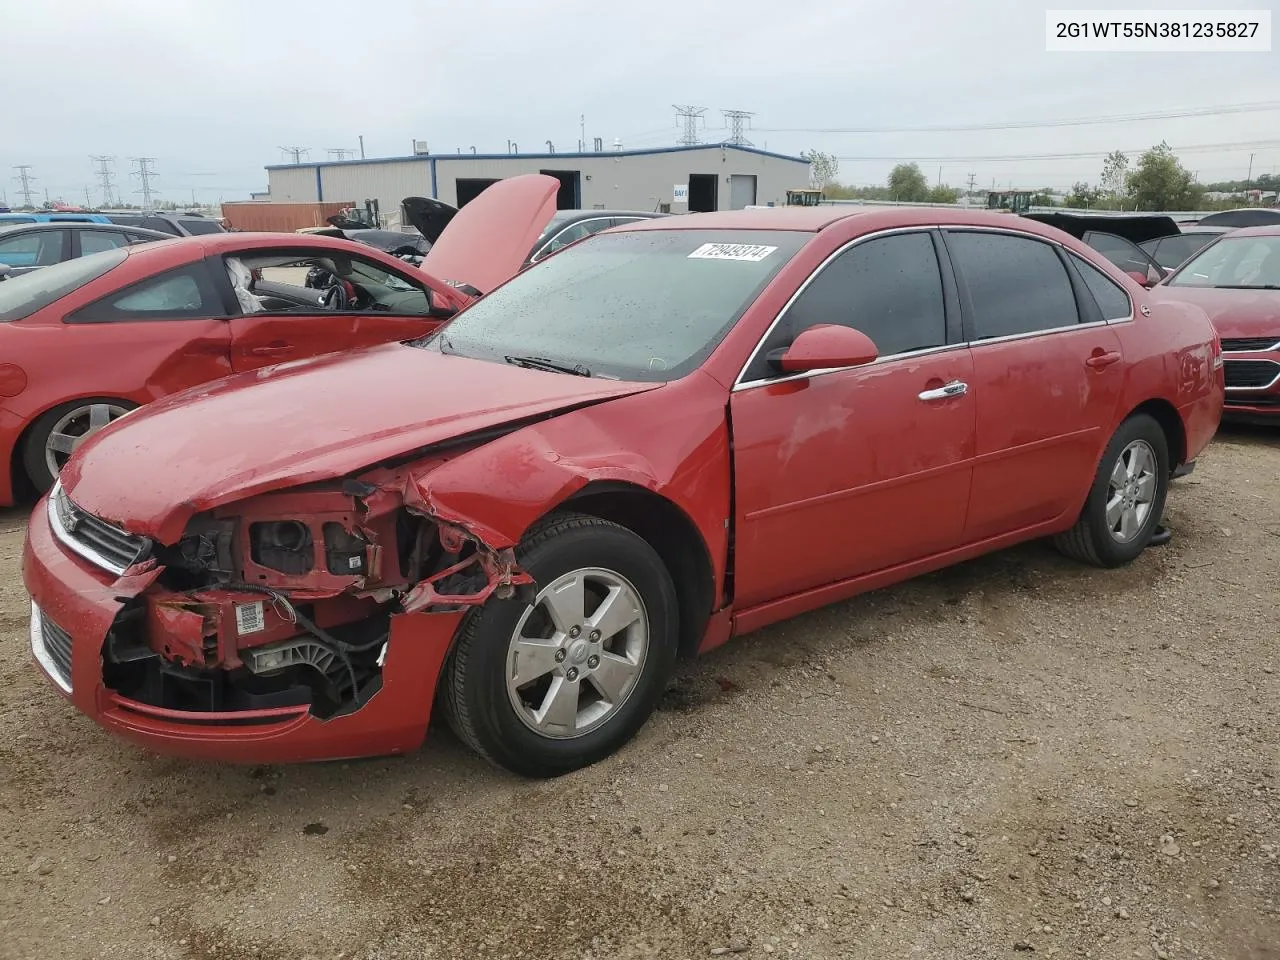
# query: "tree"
[[907, 182], [1161, 182], [1044, 198], [1082, 196], [944, 194], [823, 168], [1115, 169]]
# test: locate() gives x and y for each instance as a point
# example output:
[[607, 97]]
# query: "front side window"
[[95, 241], [308, 282], [647, 305], [1124, 254], [1248, 263], [888, 287], [1016, 285], [184, 293]]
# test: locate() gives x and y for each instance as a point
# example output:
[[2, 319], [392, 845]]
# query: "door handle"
[[956, 388], [271, 349], [1099, 360]]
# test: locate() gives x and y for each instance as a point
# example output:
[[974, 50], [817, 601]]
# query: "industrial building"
[[673, 179]]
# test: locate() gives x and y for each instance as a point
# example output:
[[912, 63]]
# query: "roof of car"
[[10, 228], [813, 219], [1271, 230]]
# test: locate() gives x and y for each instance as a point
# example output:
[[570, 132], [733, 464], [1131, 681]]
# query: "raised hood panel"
[[303, 422], [1235, 313], [487, 242]]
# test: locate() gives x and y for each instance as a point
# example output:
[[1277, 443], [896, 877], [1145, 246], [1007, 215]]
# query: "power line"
[[145, 173], [25, 179], [296, 152], [1081, 155], [105, 177], [1257, 107], [690, 116], [736, 119]]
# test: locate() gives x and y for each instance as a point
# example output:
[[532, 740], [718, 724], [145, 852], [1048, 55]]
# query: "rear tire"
[[1127, 498], [59, 428], [536, 687]]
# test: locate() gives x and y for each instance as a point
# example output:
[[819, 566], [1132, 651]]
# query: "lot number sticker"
[[751, 252], [249, 618]]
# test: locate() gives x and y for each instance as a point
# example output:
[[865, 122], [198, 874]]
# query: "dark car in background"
[[1117, 237], [175, 224], [1176, 249], [570, 225], [29, 246]]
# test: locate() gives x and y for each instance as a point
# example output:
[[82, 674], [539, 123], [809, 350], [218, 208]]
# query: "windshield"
[[647, 305], [23, 295], [1244, 263]]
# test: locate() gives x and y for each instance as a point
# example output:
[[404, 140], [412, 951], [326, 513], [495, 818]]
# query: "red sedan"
[[84, 342], [1236, 280], [660, 437]]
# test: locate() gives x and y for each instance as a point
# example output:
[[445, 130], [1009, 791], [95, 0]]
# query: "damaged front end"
[[296, 601]]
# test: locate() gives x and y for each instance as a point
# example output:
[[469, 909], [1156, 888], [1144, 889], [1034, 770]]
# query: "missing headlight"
[[282, 545]]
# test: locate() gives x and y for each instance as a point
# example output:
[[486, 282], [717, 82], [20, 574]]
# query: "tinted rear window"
[[23, 295], [198, 227]]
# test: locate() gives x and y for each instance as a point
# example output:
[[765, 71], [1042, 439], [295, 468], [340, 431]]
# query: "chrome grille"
[[1251, 373], [51, 646], [103, 544], [1250, 343]]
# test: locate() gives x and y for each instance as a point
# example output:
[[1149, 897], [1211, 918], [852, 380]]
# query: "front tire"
[[1127, 498], [547, 687]]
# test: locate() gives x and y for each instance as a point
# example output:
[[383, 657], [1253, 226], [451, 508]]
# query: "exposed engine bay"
[[286, 599]]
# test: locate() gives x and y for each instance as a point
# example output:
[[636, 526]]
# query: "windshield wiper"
[[542, 363]]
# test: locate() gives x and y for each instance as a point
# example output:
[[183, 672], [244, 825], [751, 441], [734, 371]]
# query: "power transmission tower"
[[25, 179], [737, 121], [296, 152], [144, 173], [973, 178], [105, 177], [690, 116]]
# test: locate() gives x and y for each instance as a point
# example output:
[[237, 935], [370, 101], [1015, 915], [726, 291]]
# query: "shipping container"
[[265, 215]]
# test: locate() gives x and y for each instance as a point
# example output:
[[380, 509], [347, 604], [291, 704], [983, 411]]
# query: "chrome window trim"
[[41, 652], [71, 543], [740, 384], [1266, 386], [541, 251]]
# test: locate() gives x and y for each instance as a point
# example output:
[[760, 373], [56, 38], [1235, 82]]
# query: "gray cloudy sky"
[[213, 89]]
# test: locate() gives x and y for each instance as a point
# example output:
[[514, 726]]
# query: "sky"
[[213, 90]]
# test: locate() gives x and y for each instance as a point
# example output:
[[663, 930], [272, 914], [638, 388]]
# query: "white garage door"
[[742, 191]]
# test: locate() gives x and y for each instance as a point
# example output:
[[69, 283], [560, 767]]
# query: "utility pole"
[[939, 177], [689, 115], [105, 177], [145, 173], [362, 146], [296, 152], [1248, 180], [25, 179], [582, 133], [973, 178], [88, 200], [736, 120]]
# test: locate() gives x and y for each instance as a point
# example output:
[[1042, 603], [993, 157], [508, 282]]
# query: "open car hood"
[[487, 242], [1135, 229], [429, 216], [304, 422]]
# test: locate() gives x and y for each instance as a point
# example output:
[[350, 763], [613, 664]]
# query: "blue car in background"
[[41, 216]]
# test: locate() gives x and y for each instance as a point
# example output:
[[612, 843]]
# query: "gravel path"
[[1017, 756]]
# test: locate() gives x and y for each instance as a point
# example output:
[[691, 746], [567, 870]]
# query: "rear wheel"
[[1127, 498], [546, 687], [60, 432]]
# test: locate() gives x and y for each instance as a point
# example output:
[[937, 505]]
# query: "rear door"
[[844, 472], [389, 306], [1125, 254], [1049, 371]]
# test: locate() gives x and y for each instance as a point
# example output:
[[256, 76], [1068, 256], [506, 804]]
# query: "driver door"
[[296, 323]]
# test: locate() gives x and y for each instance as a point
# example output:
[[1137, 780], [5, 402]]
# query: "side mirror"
[[5, 270], [1140, 278], [823, 346]]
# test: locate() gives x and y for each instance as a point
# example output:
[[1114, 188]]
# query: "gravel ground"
[[1016, 756]]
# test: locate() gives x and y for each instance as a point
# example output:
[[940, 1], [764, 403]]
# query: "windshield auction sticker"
[[1158, 31], [751, 252]]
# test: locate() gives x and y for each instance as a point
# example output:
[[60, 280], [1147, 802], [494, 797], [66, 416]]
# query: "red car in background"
[[85, 341], [661, 436], [1236, 280]]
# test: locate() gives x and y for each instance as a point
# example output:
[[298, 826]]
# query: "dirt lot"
[[1016, 756]]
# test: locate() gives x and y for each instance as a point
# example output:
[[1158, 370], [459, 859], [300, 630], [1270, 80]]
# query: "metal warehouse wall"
[[293, 184], [638, 181]]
